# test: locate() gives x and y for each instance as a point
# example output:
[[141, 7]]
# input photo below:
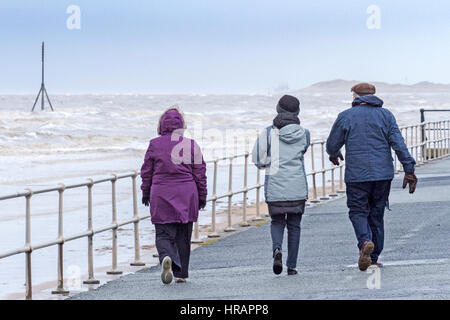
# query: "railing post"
[[313, 175], [60, 288], [341, 178], [244, 222], [444, 133], [416, 143], [438, 134], [406, 140], [333, 184], [434, 141], [196, 237], [422, 121], [447, 134], [229, 227], [28, 282], [213, 233], [444, 138], [137, 247], [114, 270], [423, 144], [91, 279], [448, 137], [324, 191], [428, 141], [258, 186], [440, 140]]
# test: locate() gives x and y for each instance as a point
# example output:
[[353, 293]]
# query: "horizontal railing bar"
[[13, 252], [47, 244], [228, 194], [46, 190], [105, 228], [79, 236], [79, 185], [434, 110], [322, 170], [69, 186], [131, 221], [225, 195], [227, 158], [16, 195]]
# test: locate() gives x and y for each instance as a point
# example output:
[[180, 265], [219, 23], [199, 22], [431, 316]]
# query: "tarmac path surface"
[[239, 266]]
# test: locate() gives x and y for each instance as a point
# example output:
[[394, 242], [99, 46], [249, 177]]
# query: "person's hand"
[[145, 200], [335, 160], [201, 204], [411, 179]]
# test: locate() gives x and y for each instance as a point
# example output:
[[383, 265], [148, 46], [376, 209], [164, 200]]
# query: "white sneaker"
[[166, 270]]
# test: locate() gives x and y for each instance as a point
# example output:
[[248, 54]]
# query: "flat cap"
[[363, 88]]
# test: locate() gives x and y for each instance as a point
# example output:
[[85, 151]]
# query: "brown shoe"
[[364, 256]]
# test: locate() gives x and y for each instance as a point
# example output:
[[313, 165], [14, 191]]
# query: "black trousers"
[[174, 240], [366, 202]]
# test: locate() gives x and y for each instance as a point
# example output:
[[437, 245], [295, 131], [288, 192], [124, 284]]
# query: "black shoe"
[[292, 272], [277, 262]]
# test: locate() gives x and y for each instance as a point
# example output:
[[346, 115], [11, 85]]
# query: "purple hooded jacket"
[[173, 173]]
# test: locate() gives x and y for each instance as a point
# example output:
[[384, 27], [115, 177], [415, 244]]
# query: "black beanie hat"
[[288, 103]]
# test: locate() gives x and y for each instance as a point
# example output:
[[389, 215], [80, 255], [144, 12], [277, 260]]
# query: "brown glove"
[[335, 160], [411, 179]]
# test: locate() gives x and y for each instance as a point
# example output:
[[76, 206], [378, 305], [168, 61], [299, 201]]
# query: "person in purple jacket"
[[174, 185]]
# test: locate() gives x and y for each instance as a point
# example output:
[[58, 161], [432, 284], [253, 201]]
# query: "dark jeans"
[[292, 221], [366, 202], [174, 240]]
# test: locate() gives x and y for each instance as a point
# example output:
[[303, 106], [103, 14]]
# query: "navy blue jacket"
[[368, 132]]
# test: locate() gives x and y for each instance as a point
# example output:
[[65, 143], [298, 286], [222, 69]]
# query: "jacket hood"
[[171, 120], [369, 100], [291, 133]]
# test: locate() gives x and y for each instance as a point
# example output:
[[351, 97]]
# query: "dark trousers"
[[292, 221], [366, 202], [287, 214], [174, 240]]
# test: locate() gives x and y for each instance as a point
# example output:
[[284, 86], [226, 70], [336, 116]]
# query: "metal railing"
[[435, 146], [313, 174], [322, 172], [229, 195], [28, 248], [426, 141]]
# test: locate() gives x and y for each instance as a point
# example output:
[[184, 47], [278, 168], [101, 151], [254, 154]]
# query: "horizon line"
[[267, 93]]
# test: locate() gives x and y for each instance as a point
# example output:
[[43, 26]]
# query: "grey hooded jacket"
[[280, 152]]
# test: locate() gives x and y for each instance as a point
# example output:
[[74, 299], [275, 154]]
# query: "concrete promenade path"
[[239, 266]]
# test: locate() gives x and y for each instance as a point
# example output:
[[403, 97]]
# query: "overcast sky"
[[219, 46]]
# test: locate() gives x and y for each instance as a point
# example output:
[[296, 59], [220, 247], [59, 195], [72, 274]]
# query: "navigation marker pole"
[[42, 91]]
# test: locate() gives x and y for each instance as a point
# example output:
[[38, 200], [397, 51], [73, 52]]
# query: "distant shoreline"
[[335, 86]]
